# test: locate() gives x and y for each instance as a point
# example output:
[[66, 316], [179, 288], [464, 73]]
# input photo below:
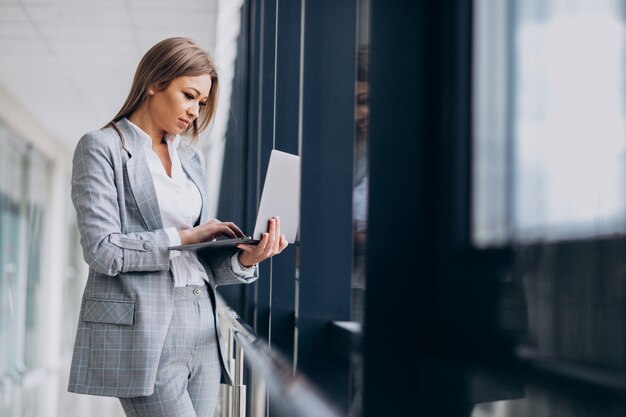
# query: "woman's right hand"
[[209, 231]]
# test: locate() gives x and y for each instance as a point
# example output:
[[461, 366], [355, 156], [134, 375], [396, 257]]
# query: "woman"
[[147, 331]]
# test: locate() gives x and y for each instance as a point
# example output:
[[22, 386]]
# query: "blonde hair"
[[169, 59]]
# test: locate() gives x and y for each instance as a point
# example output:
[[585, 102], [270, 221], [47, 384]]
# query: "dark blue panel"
[[327, 156], [264, 139], [287, 76], [286, 139], [327, 164]]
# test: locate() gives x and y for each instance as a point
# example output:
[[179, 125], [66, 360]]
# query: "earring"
[[151, 92]]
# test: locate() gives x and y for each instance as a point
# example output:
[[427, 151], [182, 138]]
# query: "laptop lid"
[[280, 196]]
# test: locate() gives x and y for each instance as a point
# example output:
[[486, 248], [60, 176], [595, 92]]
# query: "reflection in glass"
[[361, 168], [550, 126], [360, 197], [543, 403], [549, 183]]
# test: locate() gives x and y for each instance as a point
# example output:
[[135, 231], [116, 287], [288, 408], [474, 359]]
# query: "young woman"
[[147, 331]]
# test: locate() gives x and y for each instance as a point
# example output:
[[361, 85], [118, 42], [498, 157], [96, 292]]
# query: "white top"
[[180, 204]]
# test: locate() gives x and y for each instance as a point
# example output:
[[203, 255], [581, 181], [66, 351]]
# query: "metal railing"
[[291, 393]]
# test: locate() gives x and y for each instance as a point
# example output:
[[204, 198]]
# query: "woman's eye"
[[189, 96], [203, 103]]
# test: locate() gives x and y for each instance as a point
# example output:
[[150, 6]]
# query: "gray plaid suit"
[[129, 296]]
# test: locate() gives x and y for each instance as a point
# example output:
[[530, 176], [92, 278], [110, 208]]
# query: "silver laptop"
[[280, 197]]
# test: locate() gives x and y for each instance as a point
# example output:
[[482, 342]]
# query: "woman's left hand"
[[272, 243]]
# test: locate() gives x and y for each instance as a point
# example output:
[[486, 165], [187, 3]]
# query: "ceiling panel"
[[17, 30], [11, 12], [70, 63]]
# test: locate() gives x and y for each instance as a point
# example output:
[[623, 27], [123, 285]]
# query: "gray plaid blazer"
[[128, 301]]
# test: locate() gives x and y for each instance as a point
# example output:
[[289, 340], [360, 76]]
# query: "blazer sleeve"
[[223, 273], [219, 266], [95, 197]]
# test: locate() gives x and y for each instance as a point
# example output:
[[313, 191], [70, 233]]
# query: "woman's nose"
[[194, 110]]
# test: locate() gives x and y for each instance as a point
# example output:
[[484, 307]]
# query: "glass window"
[[12, 225], [24, 175], [549, 120], [37, 169], [549, 172], [72, 285]]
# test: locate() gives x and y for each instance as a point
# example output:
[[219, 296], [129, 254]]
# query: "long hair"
[[169, 59]]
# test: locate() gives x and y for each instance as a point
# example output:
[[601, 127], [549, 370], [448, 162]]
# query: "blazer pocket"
[[106, 311]]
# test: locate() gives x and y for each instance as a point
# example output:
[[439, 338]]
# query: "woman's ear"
[[152, 89]]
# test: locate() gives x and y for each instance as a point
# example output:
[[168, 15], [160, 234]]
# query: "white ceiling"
[[70, 63]]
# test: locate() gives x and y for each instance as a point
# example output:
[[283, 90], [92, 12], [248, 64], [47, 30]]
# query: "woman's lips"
[[183, 123]]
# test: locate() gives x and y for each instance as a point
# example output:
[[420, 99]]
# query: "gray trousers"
[[188, 376]]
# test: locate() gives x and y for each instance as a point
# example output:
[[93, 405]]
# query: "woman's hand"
[[209, 231], [272, 243]]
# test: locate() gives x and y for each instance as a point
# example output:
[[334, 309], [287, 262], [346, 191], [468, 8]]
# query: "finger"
[[271, 225], [234, 228], [271, 241], [223, 230], [278, 235], [283, 243], [260, 247], [246, 247]]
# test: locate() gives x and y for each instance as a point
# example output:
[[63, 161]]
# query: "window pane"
[[12, 224], [72, 285], [549, 148], [24, 174], [550, 128], [38, 172]]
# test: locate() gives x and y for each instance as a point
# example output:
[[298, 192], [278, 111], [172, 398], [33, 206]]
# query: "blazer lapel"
[[139, 177], [192, 165]]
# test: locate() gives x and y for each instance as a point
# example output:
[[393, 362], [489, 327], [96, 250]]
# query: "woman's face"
[[176, 107]]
